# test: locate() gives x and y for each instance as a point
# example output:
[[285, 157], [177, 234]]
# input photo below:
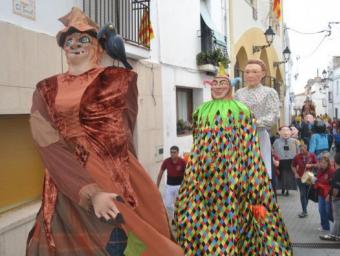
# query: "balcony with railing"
[[128, 17], [213, 44]]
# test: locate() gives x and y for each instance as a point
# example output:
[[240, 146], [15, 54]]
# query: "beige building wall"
[[26, 57], [149, 128]]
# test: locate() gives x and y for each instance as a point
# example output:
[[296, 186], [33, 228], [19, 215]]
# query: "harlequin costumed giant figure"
[[226, 205], [97, 198]]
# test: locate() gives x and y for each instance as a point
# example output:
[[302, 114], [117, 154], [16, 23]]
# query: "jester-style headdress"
[[221, 73], [76, 21]]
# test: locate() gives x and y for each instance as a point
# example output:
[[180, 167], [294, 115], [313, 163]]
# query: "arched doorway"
[[241, 61]]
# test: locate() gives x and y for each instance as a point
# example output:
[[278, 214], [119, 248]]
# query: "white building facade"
[[334, 89], [180, 39]]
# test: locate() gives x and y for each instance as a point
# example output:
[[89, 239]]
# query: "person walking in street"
[[323, 185], [302, 162], [226, 205], [174, 166], [263, 101], [306, 128], [336, 136], [319, 141], [286, 148], [335, 197]]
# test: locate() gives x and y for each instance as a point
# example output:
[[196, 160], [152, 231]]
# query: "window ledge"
[[184, 134], [19, 216], [210, 68], [136, 52]]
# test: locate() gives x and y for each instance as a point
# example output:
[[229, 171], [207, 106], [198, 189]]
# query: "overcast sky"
[[308, 54]]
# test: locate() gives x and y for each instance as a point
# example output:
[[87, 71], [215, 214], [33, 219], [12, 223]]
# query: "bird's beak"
[[101, 37], [101, 34]]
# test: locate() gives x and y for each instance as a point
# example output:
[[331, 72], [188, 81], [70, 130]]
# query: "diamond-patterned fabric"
[[224, 178]]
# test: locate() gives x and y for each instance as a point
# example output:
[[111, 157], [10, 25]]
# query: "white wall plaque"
[[25, 8]]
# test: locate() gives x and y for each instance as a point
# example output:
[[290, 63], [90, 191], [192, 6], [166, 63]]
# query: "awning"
[[220, 39]]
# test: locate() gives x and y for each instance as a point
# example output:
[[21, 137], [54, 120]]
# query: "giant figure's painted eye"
[[68, 42], [85, 40], [214, 83]]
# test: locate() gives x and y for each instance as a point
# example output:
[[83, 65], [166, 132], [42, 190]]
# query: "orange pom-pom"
[[259, 211], [186, 156]]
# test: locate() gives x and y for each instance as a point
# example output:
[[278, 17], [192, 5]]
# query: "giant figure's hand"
[[105, 207]]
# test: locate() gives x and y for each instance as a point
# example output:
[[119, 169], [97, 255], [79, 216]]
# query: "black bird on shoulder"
[[113, 44]]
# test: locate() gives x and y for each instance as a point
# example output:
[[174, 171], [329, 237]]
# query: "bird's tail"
[[126, 64]]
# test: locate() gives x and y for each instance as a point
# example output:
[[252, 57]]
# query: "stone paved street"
[[304, 233]]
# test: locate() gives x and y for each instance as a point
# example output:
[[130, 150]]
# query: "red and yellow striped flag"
[[277, 9], [145, 30]]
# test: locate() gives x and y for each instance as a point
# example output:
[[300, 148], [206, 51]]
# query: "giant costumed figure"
[[97, 198], [226, 205]]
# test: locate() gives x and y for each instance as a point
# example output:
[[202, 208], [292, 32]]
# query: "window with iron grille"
[[336, 113], [330, 97], [209, 42], [125, 15]]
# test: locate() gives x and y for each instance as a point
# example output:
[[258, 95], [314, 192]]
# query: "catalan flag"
[[277, 9], [145, 30]]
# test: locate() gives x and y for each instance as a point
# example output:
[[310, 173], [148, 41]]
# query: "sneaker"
[[323, 230], [329, 238], [303, 215]]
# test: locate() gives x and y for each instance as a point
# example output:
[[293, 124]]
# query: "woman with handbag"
[[303, 162]]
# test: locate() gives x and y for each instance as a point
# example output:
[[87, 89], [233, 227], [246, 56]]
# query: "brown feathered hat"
[[76, 21]]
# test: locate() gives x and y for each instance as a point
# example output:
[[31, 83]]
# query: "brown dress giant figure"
[[97, 198]]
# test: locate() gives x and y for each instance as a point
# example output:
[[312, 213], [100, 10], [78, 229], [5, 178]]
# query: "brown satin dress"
[[93, 116]]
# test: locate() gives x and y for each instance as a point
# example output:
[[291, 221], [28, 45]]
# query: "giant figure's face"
[[294, 132], [220, 88], [285, 132], [81, 48], [253, 74]]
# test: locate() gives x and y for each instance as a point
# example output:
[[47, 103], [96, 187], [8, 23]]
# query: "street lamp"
[[269, 34], [326, 78], [286, 56], [324, 74]]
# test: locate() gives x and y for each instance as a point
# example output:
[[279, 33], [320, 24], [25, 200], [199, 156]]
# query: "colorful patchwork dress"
[[226, 205]]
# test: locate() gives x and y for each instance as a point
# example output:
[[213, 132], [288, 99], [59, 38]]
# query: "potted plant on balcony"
[[208, 61]]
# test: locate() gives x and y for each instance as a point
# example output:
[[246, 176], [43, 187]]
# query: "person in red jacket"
[[302, 162], [323, 185], [175, 167]]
